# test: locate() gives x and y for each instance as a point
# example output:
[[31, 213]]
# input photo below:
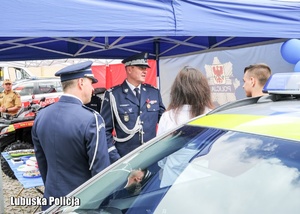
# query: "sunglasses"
[[7, 83]]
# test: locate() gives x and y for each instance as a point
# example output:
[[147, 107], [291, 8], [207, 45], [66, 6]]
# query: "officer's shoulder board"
[[16, 93], [90, 109], [113, 88], [109, 90], [149, 86]]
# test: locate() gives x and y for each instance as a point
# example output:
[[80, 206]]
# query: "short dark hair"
[[260, 71], [68, 84]]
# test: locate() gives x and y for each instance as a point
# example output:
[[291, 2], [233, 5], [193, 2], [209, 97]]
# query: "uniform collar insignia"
[[126, 90]]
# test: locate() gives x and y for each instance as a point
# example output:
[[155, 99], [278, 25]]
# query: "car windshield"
[[199, 170]]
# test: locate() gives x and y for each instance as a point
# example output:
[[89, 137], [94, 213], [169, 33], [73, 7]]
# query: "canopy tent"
[[32, 30]]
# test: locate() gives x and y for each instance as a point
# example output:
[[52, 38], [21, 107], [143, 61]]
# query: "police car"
[[243, 157]]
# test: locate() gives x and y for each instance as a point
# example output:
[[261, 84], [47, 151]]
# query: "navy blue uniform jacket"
[[150, 109], [64, 137]]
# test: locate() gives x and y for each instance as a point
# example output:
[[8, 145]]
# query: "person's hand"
[[2, 109]]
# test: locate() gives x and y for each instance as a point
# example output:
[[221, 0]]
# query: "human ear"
[[80, 82], [253, 81]]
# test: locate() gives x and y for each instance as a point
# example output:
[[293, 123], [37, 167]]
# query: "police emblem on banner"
[[222, 83], [218, 74]]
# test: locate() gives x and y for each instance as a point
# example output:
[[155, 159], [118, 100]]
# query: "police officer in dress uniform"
[[69, 138], [10, 101], [133, 116]]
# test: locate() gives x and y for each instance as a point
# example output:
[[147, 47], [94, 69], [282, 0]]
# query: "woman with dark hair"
[[190, 97]]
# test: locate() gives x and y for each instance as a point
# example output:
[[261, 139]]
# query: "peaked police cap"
[[140, 59], [76, 71]]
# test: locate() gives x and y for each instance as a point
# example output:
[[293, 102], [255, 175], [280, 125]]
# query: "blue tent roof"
[[55, 29]]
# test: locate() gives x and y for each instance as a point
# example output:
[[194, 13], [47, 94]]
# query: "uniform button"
[[141, 112]]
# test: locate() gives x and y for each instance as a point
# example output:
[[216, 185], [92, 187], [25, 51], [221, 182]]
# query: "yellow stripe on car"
[[11, 128], [274, 125]]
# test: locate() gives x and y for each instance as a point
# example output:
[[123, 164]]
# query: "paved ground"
[[11, 188]]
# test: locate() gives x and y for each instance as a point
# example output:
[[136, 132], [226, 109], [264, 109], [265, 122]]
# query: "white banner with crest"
[[223, 69]]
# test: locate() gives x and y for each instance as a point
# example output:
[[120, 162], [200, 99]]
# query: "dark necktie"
[[137, 94]]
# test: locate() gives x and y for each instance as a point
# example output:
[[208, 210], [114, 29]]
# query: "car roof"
[[259, 115], [37, 79]]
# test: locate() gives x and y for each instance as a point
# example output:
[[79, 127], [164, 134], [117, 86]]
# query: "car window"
[[48, 87], [25, 89], [58, 86], [194, 166]]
